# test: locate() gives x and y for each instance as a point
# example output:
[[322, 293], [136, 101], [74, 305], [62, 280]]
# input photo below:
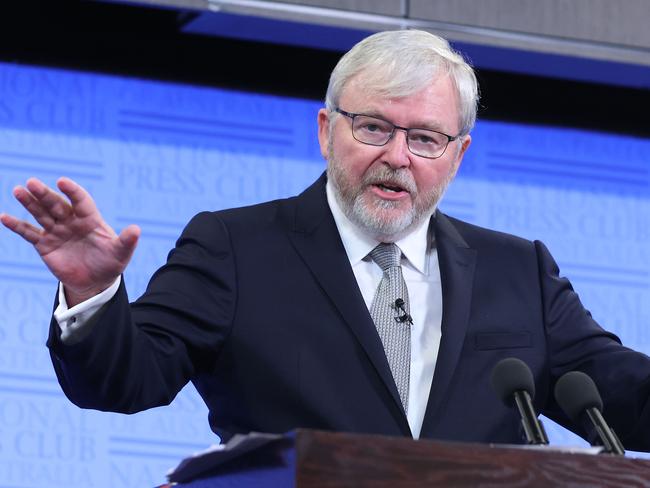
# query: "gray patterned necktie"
[[390, 312]]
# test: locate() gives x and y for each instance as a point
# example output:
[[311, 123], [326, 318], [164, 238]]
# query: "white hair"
[[400, 63]]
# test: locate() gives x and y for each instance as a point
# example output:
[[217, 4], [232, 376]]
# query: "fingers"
[[48, 207], [82, 202], [51, 202], [129, 239], [24, 229], [27, 200]]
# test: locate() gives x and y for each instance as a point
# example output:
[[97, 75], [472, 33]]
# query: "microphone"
[[576, 393], [513, 383], [405, 317]]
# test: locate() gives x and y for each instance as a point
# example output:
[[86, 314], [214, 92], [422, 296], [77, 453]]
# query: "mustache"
[[391, 177]]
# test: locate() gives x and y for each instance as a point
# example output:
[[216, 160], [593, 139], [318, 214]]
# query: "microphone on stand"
[[577, 394], [513, 383]]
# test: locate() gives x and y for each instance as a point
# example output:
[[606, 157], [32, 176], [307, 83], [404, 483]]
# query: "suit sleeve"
[[577, 343], [141, 355]]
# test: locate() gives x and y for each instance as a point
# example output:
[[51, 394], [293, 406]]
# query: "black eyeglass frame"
[[352, 116]]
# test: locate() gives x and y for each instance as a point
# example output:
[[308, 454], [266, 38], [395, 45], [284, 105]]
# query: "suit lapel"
[[457, 264], [316, 239]]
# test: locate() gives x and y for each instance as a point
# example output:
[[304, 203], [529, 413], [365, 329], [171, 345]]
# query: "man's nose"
[[398, 154]]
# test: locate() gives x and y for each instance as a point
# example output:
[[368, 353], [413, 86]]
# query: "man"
[[355, 306]]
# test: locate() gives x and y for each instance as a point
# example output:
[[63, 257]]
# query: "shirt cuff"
[[75, 323]]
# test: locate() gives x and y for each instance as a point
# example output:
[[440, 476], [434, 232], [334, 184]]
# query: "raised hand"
[[75, 242]]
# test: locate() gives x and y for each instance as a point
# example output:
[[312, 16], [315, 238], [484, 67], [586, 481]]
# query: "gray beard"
[[374, 216]]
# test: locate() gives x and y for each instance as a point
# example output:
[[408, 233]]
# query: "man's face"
[[387, 190]]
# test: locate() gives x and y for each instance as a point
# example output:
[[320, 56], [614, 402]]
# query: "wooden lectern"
[[315, 459]]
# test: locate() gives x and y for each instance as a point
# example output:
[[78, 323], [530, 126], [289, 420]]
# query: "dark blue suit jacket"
[[259, 308]]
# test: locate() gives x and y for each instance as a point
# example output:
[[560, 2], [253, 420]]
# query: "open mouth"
[[390, 187]]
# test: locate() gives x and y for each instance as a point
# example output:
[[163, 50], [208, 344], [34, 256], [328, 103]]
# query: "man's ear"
[[324, 132], [464, 145]]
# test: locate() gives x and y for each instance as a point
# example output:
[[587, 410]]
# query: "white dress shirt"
[[422, 275]]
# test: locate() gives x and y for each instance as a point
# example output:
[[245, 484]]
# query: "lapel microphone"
[[405, 317]]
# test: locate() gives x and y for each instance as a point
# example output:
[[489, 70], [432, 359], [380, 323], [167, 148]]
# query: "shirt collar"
[[358, 245]]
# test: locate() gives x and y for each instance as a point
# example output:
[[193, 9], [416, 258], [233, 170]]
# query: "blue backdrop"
[[154, 154]]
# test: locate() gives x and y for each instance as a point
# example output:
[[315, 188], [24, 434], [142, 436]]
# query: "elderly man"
[[354, 306]]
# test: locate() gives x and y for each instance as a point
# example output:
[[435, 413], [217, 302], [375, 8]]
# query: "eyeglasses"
[[377, 132]]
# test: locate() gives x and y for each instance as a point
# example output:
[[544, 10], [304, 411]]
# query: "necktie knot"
[[386, 255]]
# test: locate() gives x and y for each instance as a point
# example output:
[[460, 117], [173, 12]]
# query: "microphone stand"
[[533, 428], [611, 442]]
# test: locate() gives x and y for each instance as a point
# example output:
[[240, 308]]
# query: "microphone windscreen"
[[510, 375], [575, 392]]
